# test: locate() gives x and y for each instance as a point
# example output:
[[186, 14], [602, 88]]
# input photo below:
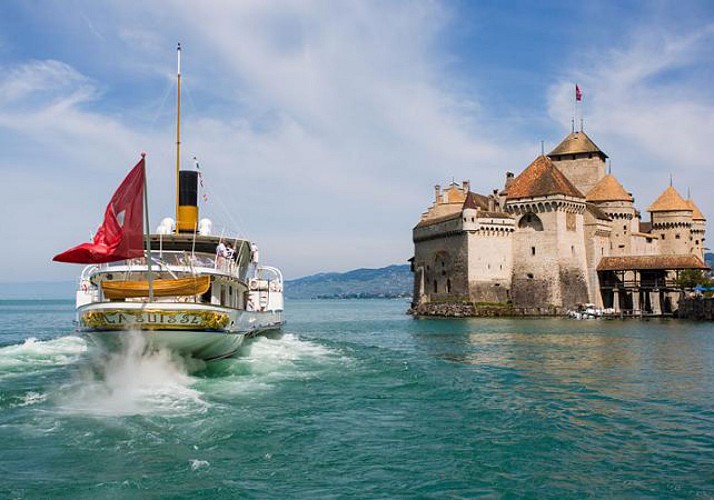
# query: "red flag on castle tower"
[[578, 93]]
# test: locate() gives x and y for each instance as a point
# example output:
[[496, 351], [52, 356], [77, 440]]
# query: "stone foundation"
[[469, 310], [698, 308]]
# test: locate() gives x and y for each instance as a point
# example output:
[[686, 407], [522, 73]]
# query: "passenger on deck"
[[221, 254]]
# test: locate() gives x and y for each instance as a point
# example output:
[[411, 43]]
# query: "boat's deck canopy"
[[191, 242]]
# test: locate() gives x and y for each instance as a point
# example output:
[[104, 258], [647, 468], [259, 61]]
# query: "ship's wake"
[[133, 380]]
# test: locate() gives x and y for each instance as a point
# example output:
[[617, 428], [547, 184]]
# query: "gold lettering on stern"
[[157, 320]]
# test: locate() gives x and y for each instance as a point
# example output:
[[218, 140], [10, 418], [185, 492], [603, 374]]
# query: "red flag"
[[578, 93], [121, 235]]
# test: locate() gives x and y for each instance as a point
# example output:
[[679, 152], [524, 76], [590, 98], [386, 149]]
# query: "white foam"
[[133, 381], [33, 353], [265, 361], [32, 398], [198, 464]]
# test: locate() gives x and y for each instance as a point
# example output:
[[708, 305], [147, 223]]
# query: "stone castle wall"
[[585, 171]]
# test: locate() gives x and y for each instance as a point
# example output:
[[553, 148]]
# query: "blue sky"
[[323, 126]]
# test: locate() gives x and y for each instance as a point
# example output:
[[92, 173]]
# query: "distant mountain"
[[388, 282], [709, 259]]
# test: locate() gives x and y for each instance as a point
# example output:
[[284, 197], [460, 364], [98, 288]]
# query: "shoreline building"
[[562, 233]]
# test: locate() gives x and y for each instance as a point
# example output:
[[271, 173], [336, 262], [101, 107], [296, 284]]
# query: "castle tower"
[[580, 160], [549, 260], [618, 204], [672, 222], [699, 224]]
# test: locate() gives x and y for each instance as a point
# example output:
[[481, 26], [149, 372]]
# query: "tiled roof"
[[651, 262], [435, 220], [597, 212], [669, 201], [541, 178], [476, 201], [575, 143], [696, 213], [608, 189]]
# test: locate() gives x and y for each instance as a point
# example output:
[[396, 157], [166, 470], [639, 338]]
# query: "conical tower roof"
[[608, 189], [541, 178], [696, 213], [576, 143], [669, 201]]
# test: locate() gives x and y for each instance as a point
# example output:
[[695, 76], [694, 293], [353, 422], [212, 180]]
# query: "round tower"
[[618, 204], [699, 224], [672, 222]]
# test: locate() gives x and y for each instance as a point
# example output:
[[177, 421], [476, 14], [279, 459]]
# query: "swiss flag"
[[121, 235], [578, 93]]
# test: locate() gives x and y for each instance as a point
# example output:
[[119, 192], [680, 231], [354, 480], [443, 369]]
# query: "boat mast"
[[178, 132], [147, 236]]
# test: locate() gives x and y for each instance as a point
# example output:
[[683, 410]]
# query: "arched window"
[[530, 221]]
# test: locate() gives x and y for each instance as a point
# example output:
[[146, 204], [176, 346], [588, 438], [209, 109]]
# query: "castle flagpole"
[[578, 99]]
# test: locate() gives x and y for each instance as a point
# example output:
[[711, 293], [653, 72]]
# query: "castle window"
[[676, 236], [696, 242], [436, 287], [570, 224], [574, 157], [448, 286], [590, 155], [662, 235], [572, 249], [532, 250], [624, 228], [529, 276]]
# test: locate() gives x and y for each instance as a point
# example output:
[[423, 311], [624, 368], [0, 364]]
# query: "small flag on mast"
[[578, 93], [204, 195]]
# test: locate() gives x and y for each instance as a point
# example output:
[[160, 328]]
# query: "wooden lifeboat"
[[197, 285]]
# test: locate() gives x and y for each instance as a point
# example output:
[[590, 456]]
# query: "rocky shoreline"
[[470, 310]]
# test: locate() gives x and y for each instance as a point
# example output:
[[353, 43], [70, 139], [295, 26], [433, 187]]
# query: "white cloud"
[[321, 127], [647, 105]]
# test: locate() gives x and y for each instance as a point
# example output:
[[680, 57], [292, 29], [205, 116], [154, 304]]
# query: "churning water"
[[358, 400]]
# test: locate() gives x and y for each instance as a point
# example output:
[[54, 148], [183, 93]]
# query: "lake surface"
[[358, 400]]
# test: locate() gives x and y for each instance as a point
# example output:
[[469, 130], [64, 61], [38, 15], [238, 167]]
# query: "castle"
[[561, 234]]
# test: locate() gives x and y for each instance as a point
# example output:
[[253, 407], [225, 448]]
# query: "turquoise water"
[[358, 400]]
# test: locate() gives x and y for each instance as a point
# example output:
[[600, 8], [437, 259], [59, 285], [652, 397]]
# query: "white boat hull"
[[198, 330]]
